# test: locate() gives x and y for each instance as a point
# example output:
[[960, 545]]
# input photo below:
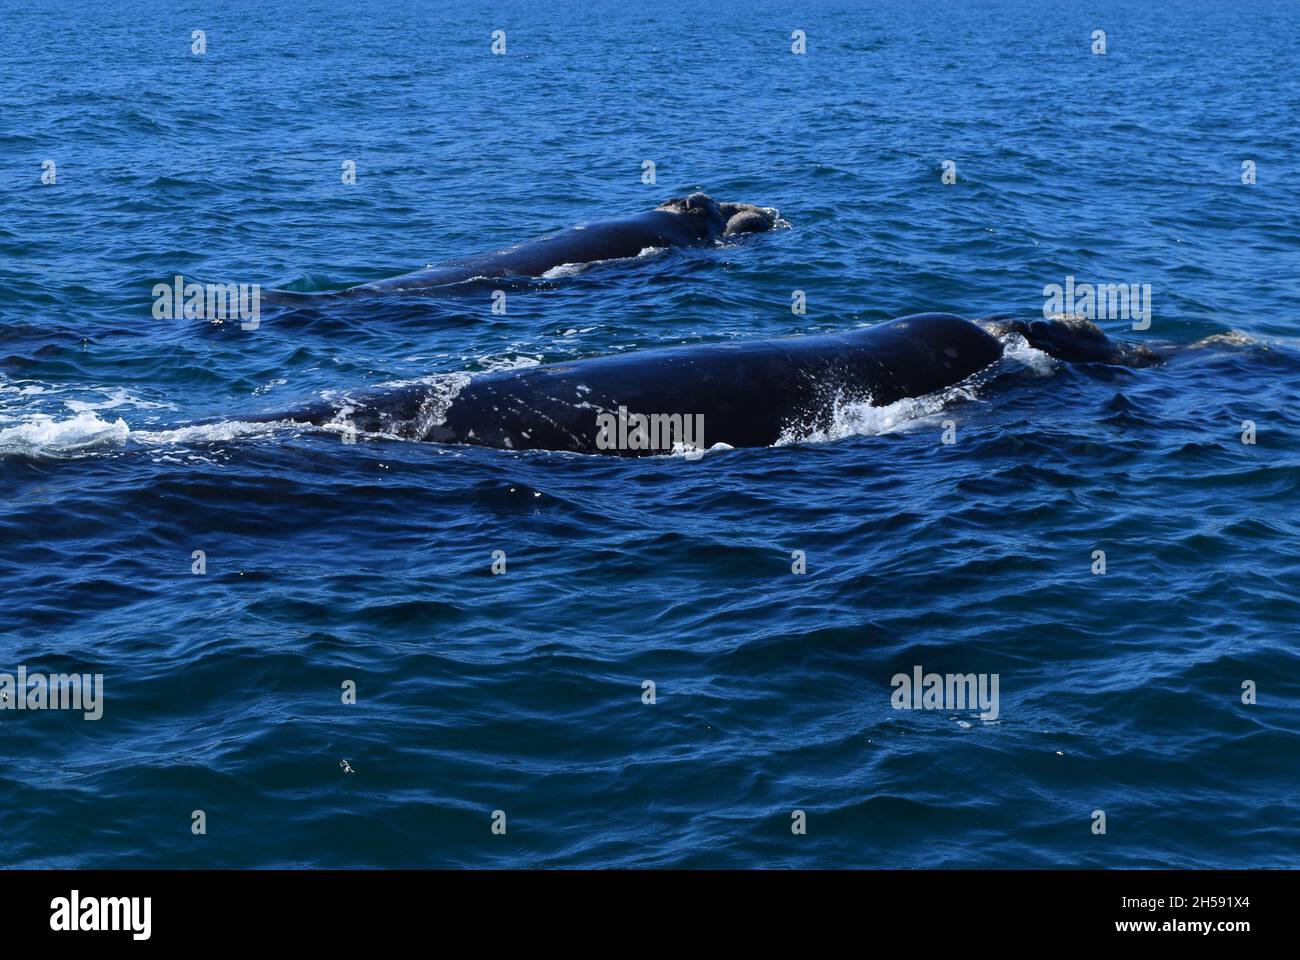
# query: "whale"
[[1077, 339], [742, 393], [694, 220]]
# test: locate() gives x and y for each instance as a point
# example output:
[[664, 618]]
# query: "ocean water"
[[370, 563]]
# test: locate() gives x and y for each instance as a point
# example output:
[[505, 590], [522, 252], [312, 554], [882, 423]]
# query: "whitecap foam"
[[571, 269], [691, 452], [202, 433], [45, 437], [489, 364], [434, 409], [118, 397], [778, 222], [494, 364], [859, 417], [22, 388], [444, 388], [1016, 349], [269, 386]]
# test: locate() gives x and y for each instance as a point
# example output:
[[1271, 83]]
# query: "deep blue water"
[[370, 562]]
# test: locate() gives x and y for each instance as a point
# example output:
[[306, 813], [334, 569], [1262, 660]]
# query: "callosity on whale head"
[[722, 219], [746, 218], [1075, 340], [702, 210]]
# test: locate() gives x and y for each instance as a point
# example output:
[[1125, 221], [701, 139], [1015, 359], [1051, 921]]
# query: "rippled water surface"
[[329, 562]]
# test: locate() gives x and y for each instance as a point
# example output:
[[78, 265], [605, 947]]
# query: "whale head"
[[1075, 340], [746, 218], [716, 220], [703, 212]]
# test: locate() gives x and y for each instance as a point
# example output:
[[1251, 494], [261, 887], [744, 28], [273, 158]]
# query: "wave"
[[44, 437], [858, 416]]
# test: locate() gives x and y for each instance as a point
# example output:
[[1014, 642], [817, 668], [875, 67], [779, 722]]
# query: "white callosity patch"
[[1238, 338]]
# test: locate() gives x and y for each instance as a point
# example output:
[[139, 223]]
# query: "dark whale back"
[[682, 222], [919, 354], [745, 393], [748, 392], [604, 240]]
